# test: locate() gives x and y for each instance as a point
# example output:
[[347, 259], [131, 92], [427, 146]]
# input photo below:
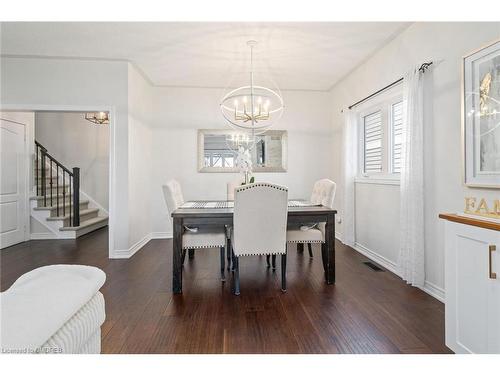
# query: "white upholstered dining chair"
[[195, 238], [259, 225], [230, 187], [308, 233]]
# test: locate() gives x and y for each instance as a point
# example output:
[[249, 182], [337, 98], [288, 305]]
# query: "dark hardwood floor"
[[364, 312]]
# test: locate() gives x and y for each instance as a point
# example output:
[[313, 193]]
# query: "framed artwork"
[[481, 117]]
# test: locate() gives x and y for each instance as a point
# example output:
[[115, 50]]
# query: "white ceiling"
[[299, 56]]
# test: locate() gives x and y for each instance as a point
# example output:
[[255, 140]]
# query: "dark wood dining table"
[[224, 216]]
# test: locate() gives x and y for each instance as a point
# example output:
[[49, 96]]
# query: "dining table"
[[220, 213]]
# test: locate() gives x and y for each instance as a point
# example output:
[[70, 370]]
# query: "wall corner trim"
[[128, 253]]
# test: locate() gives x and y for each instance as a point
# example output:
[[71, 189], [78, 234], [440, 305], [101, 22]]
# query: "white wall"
[[179, 112], [140, 106], [76, 142], [444, 191], [32, 83]]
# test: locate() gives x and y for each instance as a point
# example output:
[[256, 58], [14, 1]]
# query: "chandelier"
[[99, 118], [252, 107]]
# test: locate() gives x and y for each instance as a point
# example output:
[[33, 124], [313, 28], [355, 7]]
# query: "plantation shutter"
[[373, 143], [397, 129]]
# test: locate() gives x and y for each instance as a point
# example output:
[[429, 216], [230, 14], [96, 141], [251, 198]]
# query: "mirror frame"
[[201, 154]]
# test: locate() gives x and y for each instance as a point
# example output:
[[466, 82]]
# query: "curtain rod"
[[422, 68]]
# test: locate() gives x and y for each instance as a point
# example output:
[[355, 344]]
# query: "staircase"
[[57, 205]]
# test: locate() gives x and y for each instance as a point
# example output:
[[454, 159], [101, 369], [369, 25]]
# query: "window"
[[373, 142], [219, 159], [396, 135], [380, 135]]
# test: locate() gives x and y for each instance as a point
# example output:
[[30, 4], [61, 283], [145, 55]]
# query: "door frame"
[[112, 159], [28, 133]]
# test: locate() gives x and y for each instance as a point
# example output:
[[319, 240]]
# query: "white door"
[[12, 183]]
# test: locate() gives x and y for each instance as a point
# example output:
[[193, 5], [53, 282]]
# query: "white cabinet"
[[472, 291]]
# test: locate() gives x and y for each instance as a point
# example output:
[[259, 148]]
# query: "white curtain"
[[349, 170], [411, 260]]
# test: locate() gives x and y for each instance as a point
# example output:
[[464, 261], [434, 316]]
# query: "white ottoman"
[[53, 309]]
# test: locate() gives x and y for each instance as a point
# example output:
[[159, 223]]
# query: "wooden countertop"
[[471, 221]]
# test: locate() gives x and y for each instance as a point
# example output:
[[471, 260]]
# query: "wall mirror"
[[217, 150]]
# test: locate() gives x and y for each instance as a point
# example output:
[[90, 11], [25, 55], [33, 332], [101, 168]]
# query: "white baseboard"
[[433, 290], [160, 235], [43, 236], [429, 288], [338, 236], [127, 253], [384, 262]]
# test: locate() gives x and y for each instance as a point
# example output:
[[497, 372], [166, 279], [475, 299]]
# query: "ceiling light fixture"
[[99, 118], [251, 107]]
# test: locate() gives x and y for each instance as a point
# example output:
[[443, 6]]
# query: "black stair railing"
[[70, 191]]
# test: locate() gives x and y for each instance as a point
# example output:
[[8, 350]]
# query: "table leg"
[[300, 247], [329, 256], [177, 256], [324, 250]]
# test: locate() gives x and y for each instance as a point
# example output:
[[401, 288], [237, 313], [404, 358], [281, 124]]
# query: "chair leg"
[[183, 256], [191, 253], [300, 247], [233, 260], [222, 264], [236, 276], [268, 260], [229, 254], [273, 260], [283, 272], [309, 247]]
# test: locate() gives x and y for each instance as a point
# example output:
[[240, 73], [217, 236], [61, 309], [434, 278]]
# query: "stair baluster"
[[76, 196], [42, 181], [37, 152], [50, 184], [41, 155], [57, 189], [64, 194], [70, 210]]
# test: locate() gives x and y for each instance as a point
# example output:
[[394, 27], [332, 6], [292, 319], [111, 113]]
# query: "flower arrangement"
[[244, 164]]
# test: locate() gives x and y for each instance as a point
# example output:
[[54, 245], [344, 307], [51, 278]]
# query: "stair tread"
[[48, 208], [82, 212], [86, 223]]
